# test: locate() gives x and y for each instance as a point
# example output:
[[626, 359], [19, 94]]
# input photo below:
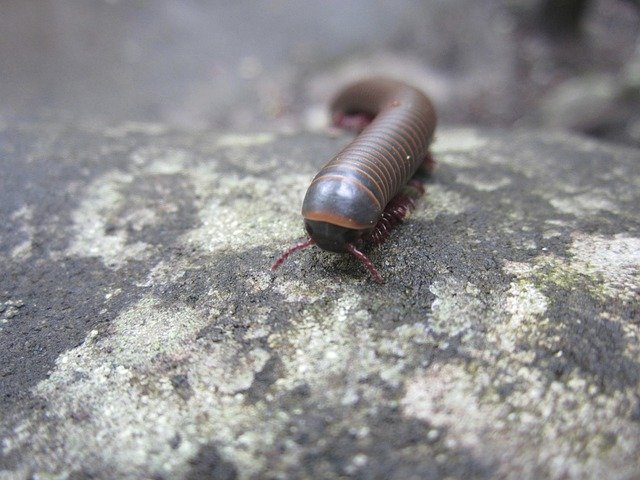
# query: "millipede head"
[[330, 237]]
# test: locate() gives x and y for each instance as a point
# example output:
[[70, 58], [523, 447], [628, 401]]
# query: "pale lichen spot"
[[459, 140], [128, 128], [165, 162], [615, 259], [463, 402], [317, 351], [441, 201], [524, 306], [486, 184], [316, 118], [457, 160], [102, 202], [230, 219], [584, 204], [296, 291], [456, 309], [442, 395], [243, 141], [24, 217]]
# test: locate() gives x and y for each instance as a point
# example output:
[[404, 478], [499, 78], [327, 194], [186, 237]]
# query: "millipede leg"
[[353, 122], [416, 187], [429, 163], [395, 211]]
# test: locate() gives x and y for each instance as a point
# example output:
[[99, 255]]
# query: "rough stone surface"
[[142, 334]]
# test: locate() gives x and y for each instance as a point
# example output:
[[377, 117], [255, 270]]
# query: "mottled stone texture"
[[143, 335]]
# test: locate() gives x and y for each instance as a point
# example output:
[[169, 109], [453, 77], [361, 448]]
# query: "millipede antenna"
[[366, 262], [294, 248]]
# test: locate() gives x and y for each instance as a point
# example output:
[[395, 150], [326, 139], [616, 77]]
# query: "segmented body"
[[357, 198], [354, 187]]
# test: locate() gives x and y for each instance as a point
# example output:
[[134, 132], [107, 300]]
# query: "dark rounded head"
[[331, 237]]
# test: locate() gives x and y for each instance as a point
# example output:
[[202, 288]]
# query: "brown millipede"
[[368, 187]]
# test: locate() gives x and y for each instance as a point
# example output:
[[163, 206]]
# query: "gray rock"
[[582, 103], [154, 342]]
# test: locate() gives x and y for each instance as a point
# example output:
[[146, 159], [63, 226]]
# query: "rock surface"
[[143, 335]]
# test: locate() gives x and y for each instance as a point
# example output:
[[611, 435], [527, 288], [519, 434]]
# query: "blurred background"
[[274, 64]]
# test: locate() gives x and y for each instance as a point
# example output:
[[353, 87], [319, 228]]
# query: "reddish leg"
[[396, 210], [353, 122], [429, 163]]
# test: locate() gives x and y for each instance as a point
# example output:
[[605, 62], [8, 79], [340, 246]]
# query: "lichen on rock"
[[153, 341]]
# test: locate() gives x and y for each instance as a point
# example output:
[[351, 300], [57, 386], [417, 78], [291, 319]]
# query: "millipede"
[[372, 184]]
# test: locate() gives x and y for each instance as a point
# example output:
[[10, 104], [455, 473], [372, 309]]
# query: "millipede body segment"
[[366, 189]]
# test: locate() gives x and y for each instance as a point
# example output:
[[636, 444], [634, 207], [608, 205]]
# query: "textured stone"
[[152, 341]]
